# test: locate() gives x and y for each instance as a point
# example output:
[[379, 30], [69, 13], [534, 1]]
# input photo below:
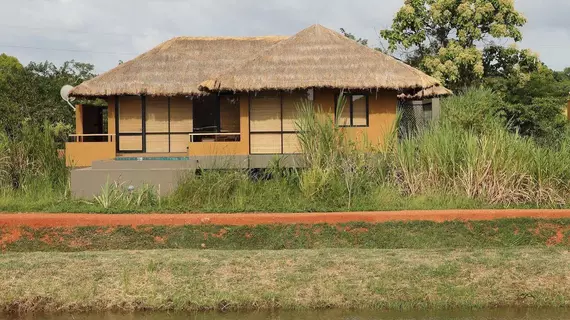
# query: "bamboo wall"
[[180, 121], [272, 118], [382, 107], [272, 121]]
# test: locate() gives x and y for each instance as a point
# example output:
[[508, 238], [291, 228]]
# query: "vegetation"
[[30, 160], [456, 42], [31, 93], [468, 159], [506, 233], [441, 36], [184, 280]]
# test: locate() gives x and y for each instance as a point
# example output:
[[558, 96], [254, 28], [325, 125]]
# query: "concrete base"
[[165, 174], [87, 182]]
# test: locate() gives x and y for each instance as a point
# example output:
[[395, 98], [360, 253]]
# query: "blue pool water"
[[152, 158]]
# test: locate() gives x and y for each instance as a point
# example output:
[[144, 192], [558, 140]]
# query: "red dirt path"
[[37, 220]]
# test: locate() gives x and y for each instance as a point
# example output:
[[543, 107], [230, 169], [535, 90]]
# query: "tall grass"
[[30, 166], [30, 156], [481, 160]]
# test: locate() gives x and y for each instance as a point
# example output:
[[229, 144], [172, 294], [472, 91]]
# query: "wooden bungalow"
[[210, 97]]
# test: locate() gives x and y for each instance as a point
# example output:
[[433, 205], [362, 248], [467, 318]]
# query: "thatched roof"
[[319, 57], [175, 67], [432, 92]]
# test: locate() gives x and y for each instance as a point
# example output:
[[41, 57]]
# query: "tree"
[[359, 40], [442, 37], [8, 66], [31, 93], [533, 106], [349, 35]]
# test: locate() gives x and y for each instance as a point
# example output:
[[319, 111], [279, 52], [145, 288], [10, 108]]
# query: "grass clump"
[[31, 169]]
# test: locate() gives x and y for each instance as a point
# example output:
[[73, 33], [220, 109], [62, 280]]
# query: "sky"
[[103, 32]]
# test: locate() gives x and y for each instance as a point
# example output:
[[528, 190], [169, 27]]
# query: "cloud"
[[112, 30]]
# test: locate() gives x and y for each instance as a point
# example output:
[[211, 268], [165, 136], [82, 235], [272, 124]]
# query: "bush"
[[477, 109]]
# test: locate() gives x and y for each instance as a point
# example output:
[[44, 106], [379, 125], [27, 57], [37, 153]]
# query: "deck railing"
[[92, 137], [214, 137]]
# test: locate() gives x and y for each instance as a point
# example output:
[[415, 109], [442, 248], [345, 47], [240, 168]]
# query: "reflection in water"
[[493, 314]]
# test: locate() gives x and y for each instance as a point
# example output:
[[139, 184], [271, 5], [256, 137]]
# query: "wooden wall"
[[273, 117], [130, 112], [160, 136], [381, 115], [180, 121], [272, 121]]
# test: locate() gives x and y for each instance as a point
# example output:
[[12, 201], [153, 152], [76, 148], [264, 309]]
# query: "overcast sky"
[[103, 32]]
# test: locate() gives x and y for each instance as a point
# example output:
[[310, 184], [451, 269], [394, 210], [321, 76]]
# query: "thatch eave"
[[428, 93]]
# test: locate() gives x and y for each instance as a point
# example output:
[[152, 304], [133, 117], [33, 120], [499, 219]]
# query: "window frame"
[[349, 96]]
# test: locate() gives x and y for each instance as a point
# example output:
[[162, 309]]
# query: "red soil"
[[38, 220]]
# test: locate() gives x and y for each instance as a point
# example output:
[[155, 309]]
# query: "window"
[[354, 113]]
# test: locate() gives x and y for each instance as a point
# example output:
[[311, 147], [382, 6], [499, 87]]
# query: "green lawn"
[[288, 279]]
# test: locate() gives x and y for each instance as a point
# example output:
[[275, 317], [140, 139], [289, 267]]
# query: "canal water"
[[493, 314]]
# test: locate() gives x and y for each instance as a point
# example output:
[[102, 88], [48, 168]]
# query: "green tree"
[[534, 106], [351, 36], [442, 37], [31, 93], [359, 40]]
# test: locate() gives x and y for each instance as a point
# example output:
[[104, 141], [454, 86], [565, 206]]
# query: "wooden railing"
[[92, 137], [214, 137]]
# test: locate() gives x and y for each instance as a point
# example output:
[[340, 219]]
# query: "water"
[[494, 314]]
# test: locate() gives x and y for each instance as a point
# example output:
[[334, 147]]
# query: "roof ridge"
[[225, 80], [245, 38]]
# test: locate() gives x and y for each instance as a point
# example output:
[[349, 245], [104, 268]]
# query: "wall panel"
[[291, 143], [130, 114], [130, 143], [157, 143], [180, 115], [291, 102], [156, 114], [179, 142], [265, 113], [265, 143]]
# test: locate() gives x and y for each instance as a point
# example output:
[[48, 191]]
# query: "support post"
[[435, 109], [79, 120]]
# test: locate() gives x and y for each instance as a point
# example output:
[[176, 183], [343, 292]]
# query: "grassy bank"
[[397, 235], [296, 279]]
